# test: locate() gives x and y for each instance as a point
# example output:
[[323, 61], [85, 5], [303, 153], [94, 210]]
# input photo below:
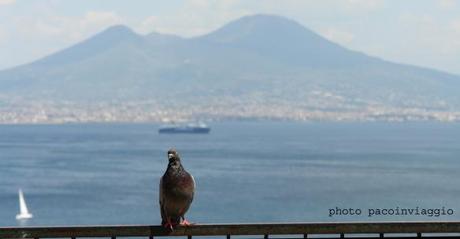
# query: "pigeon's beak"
[[170, 156]]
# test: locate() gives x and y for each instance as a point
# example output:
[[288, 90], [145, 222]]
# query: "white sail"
[[23, 211]]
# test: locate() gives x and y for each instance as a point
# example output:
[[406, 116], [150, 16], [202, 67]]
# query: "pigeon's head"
[[173, 157]]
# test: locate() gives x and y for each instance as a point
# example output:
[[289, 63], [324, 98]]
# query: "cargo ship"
[[200, 128]]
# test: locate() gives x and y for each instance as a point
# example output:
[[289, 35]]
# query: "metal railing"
[[262, 230]]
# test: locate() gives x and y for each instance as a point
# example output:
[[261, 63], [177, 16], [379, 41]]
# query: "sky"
[[417, 32]]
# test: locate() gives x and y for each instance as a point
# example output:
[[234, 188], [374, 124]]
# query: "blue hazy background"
[[416, 32], [245, 171]]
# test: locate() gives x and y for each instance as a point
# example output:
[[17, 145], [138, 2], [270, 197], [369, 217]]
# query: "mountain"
[[254, 60], [284, 40]]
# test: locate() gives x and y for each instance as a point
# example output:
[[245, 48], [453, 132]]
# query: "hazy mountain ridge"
[[250, 61]]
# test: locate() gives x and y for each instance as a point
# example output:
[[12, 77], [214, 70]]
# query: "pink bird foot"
[[186, 223], [169, 225]]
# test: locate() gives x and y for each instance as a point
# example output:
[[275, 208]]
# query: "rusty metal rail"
[[266, 230]]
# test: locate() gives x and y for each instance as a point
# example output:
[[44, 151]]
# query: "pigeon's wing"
[[162, 200], [187, 203], [161, 197], [194, 186]]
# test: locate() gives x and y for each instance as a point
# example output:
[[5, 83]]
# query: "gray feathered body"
[[177, 188]]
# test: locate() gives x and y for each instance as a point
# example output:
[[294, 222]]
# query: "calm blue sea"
[[80, 174]]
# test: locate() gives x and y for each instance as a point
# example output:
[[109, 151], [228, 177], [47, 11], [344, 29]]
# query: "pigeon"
[[177, 188]]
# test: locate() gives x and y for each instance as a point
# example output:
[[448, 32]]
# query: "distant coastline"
[[142, 113], [233, 72]]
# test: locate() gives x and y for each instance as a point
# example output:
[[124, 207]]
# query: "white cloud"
[[455, 25], [366, 5], [3, 35], [148, 24], [410, 19], [7, 2], [101, 18], [447, 4], [39, 35], [68, 29], [47, 29], [199, 3], [93, 22], [314, 10], [194, 17], [429, 41]]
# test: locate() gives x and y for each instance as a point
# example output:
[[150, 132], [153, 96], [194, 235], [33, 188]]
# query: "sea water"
[[93, 174]]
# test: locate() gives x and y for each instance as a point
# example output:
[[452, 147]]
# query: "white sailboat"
[[23, 211]]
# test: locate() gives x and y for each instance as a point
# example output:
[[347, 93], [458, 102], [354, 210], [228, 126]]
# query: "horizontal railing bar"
[[364, 237], [369, 237], [232, 229]]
